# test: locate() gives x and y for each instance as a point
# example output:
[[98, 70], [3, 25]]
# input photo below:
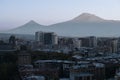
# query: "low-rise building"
[[24, 58], [87, 71]]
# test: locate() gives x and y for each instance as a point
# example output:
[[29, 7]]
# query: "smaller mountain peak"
[[31, 21]]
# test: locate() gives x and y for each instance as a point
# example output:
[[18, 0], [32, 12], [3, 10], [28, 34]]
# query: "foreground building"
[[87, 71], [60, 68], [34, 78], [24, 58]]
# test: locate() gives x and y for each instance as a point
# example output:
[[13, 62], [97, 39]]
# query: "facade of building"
[[24, 58], [46, 38], [88, 41], [114, 45], [35, 78], [92, 41], [87, 71], [39, 36]]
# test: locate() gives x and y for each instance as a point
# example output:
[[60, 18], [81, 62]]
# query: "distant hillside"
[[29, 28], [83, 25]]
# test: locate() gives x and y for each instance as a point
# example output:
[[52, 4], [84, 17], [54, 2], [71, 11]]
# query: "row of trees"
[[8, 67]]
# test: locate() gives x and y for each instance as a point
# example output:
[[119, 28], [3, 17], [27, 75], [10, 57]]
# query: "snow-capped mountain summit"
[[87, 17]]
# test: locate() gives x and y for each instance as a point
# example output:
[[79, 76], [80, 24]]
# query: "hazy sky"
[[14, 13]]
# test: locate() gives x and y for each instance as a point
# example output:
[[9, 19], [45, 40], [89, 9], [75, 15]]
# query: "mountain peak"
[[29, 25], [28, 28], [87, 17], [32, 22], [87, 14]]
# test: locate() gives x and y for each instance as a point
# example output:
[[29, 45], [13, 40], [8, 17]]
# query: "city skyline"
[[47, 12]]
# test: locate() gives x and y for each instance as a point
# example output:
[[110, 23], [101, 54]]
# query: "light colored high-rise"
[[39, 36], [114, 45]]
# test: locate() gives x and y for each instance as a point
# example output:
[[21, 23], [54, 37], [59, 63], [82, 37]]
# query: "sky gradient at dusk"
[[14, 13]]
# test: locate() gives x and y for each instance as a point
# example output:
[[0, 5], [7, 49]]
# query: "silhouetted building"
[[12, 40], [24, 58]]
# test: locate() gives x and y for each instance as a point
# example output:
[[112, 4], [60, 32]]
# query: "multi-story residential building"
[[70, 43], [109, 45], [87, 71], [62, 66], [46, 38], [39, 36], [88, 41], [114, 45], [92, 41], [24, 58], [34, 78]]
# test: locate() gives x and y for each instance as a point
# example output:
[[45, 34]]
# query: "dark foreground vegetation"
[[8, 67]]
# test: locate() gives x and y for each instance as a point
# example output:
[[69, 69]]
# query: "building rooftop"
[[35, 78], [53, 61], [98, 64], [64, 79], [83, 74], [6, 48]]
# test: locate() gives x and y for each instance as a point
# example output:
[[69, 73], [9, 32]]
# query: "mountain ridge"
[[85, 24]]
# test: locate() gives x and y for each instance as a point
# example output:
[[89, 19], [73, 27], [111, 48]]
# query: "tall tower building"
[[46, 38], [39, 37], [114, 45], [92, 41]]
